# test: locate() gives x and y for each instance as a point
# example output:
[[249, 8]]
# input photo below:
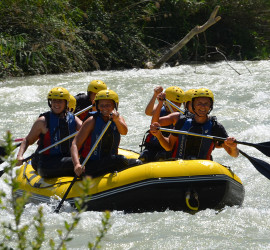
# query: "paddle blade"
[[261, 166], [264, 147]]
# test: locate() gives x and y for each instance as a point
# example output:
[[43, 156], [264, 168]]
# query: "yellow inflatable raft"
[[156, 186]]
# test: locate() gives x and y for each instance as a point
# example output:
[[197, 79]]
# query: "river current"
[[241, 91]]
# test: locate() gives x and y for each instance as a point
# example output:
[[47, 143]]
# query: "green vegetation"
[[15, 233], [42, 36]]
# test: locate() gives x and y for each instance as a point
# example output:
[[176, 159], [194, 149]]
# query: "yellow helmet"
[[96, 86], [175, 94], [189, 95], [203, 92], [107, 95], [59, 93], [72, 103]]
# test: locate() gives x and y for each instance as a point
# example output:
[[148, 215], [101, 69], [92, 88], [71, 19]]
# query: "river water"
[[242, 104]]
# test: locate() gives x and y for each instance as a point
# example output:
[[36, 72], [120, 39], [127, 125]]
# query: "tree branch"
[[198, 29]]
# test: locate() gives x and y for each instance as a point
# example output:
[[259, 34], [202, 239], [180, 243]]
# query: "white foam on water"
[[241, 105]]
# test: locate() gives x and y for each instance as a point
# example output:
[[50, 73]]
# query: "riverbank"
[[41, 37]]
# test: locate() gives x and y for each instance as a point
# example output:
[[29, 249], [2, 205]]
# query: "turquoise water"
[[241, 105]]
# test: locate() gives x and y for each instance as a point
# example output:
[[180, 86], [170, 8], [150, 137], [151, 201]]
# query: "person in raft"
[[86, 100], [171, 119], [188, 104], [151, 106], [49, 128], [153, 151], [193, 147], [72, 104], [105, 158]]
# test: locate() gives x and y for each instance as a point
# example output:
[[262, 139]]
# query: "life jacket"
[[151, 141], [191, 147], [82, 102], [58, 128], [109, 143], [89, 114]]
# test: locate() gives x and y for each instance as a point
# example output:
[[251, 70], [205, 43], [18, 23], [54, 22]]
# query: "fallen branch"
[[198, 29]]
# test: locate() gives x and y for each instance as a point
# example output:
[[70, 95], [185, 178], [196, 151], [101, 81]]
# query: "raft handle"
[[196, 197]]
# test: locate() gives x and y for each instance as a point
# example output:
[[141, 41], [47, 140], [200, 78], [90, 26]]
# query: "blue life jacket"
[[109, 143], [190, 147], [58, 128]]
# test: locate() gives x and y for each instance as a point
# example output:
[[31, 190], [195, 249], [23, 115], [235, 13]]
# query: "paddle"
[[169, 107], [15, 140], [264, 147], [2, 149], [45, 149], [3, 152], [53, 145], [261, 166], [83, 164], [83, 110], [175, 106]]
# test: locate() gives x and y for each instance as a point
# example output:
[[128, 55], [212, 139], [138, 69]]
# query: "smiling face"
[[58, 105], [202, 106], [106, 107]]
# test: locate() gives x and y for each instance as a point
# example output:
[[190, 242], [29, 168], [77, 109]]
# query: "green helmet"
[[175, 94], [96, 86]]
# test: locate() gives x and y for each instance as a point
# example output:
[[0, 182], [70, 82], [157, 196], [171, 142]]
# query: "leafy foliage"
[[42, 36], [16, 232]]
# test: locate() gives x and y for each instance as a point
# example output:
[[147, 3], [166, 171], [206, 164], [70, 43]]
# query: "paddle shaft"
[[175, 106], [51, 146], [83, 165], [261, 166], [83, 110], [169, 107], [207, 136], [45, 149], [64, 139]]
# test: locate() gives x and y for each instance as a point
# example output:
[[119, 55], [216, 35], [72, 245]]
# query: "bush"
[[15, 233]]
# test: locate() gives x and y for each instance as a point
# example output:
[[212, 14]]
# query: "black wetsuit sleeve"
[[179, 124], [219, 131]]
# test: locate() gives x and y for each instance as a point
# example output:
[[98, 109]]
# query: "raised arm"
[[156, 112], [151, 105]]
